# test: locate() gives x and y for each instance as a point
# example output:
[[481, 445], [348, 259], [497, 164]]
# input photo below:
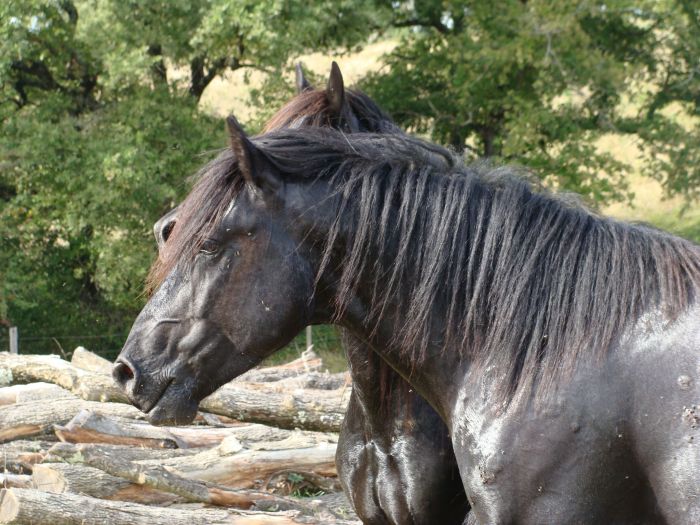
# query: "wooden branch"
[[259, 402], [33, 507], [37, 417], [308, 362], [228, 464], [311, 380]]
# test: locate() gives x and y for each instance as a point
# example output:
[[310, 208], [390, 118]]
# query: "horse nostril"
[[122, 373]]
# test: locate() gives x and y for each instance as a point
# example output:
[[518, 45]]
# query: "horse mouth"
[[174, 406]]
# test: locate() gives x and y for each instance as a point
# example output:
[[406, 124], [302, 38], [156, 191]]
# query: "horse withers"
[[560, 348]]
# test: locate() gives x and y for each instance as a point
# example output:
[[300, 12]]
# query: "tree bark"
[[52, 369], [20, 456], [10, 395], [244, 468], [38, 417], [321, 410], [60, 478], [18, 481], [92, 427], [33, 507]]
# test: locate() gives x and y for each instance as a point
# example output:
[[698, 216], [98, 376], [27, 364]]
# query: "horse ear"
[[252, 163], [335, 91], [302, 83]]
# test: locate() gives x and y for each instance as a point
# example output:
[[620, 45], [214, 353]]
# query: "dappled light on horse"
[[533, 326]]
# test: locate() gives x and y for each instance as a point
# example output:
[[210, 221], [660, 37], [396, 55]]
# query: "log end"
[[9, 506], [48, 480]]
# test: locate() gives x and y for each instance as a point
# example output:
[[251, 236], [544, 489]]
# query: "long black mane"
[[521, 280]]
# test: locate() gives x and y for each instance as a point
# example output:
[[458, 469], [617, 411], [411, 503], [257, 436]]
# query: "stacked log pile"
[[72, 451]]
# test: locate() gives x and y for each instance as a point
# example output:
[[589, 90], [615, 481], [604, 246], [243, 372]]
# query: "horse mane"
[[530, 282], [312, 109]]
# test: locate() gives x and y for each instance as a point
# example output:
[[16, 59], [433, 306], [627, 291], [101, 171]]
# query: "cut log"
[[90, 361], [159, 478], [80, 479], [51, 369], [18, 481], [33, 507], [19, 456], [250, 468], [37, 417], [10, 395], [308, 362], [69, 452], [228, 464], [313, 380], [92, 427], [309, 409]]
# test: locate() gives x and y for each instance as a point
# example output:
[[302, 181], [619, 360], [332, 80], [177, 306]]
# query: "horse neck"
[[437, 373]]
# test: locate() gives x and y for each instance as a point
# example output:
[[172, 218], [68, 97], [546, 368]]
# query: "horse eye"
[[209, 246]]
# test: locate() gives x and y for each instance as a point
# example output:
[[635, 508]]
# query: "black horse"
[[560, 348], [394, 457]]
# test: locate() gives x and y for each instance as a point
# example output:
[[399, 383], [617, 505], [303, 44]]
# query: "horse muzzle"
[[165, 400]]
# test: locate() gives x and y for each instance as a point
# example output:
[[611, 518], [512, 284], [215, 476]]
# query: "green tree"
[[100, 132], [539, 83]]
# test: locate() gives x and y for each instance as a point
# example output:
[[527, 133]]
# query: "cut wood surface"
[[34, 507], [34, 418], [90, 361]]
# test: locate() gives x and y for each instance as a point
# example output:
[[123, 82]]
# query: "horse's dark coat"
[[561, 348], [394, 457]]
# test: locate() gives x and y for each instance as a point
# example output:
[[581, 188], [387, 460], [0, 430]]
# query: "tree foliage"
[[100, 131], [539, 83]]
